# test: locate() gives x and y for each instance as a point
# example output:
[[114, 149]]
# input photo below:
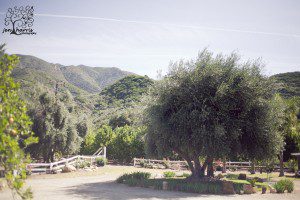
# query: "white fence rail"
[[229, 164], [54, 166]]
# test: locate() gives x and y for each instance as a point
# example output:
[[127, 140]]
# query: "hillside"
[[290, 83], [77, 78]]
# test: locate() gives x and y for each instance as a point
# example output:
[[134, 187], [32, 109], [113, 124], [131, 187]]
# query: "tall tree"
[[15, 131], [213, 107], [56, 128]]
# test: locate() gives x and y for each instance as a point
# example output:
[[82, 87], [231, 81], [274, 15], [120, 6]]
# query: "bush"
[[82, 164], [101, 161], [283, 185], [169, 174], [126, 178]]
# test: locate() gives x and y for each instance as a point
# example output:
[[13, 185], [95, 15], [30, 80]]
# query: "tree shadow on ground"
[[114, 191]]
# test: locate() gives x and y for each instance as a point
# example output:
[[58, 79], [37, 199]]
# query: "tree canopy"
[[213, 107]]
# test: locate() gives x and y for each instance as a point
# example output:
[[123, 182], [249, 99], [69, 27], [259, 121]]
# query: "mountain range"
[[79, 78]]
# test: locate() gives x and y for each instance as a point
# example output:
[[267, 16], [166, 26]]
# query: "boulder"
[[227, 187], [248, 189], [68, 168]]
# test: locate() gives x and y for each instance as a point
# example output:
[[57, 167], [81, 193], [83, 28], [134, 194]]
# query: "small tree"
[[213, 107], [15, 130]]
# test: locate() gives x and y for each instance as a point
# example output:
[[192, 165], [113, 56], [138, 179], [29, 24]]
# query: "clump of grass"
[[284, 185], [169, 174]]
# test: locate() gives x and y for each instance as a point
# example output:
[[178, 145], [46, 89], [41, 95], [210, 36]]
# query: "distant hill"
[[290, 83], [77, 78]]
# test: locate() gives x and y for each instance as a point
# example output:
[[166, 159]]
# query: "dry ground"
[[100, 185]]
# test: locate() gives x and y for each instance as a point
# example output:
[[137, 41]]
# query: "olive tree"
[[213, 107]]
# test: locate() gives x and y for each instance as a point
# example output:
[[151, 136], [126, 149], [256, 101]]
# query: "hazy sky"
[[144, 36]]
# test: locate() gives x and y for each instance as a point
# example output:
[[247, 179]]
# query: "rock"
[[68, 168], [227, 187], [242, 177], [248, 189]]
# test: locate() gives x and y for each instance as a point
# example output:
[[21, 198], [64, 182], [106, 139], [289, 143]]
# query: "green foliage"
[[127, 89], [56, 127], [169, 174], [120, 121], [290, 84], [123, 143], [284, 185], [101, 161], [134, 175], [15, 132], [202, 187], [127, 144], [82, 164], [292, 165], [213, 107]]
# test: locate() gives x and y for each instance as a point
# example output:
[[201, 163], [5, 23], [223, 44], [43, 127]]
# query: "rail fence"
[[228, 165], [55, 166]]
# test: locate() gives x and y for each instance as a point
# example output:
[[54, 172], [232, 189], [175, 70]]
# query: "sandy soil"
[[100, 185]]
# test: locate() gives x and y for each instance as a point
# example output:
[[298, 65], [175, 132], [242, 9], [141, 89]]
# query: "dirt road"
[[102, 186]]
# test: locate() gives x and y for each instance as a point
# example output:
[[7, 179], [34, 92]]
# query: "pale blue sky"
[[144, 36]]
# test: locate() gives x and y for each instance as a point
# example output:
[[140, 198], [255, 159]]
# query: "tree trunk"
[[210, 167], [281, 173], [224, 166], [252, 170]]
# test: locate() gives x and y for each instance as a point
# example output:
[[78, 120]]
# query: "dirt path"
[[102, 186]]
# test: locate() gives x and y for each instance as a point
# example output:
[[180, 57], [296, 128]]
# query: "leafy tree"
[[56, 128], [127, 144], [213, 107], [120, 121], [15, 131]]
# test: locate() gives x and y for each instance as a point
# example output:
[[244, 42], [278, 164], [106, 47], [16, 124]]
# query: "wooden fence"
[[55, 166], [229, 164]]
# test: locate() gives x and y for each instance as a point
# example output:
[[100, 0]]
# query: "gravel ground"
[[102, 186]]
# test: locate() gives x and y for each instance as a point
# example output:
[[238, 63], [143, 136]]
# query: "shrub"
[[169, 174], [283, 185], [135, 175], [101, 161], [82, 164]]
